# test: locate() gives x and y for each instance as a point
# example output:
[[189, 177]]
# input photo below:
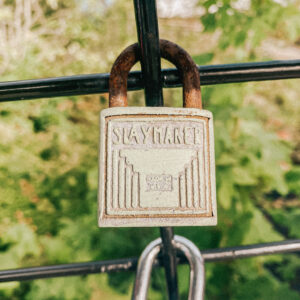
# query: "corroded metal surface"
[[188, 71], [168, 50], [119, 74]]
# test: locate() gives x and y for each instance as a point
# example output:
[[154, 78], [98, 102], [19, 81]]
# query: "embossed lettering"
[[186, 135], [157, 135], [146, 132], [157, 131], [178, 137], [134, 135], [169, 136], [125, 137], [117, 132], [161, 182], [197, 135]]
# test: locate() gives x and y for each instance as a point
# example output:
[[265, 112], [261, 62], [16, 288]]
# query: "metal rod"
[[144, 268], [197, 269], [169, 261], [231, 253], [98, 83], [151, 252], [148, 37], [130, 264], [126, 264]]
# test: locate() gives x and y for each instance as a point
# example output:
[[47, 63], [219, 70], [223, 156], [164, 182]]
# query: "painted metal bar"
[[130, 264], [98, 83], [148, 37], [74, 269], [169, 261]]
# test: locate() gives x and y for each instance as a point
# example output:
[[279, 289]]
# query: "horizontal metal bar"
[[126, 264], [98, 83], [231, 253], [129, 264]]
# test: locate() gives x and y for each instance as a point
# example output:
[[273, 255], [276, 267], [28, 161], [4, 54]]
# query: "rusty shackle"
[[171, 52]]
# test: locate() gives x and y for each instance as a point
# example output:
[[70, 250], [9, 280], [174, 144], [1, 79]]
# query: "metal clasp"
[[194, 257]]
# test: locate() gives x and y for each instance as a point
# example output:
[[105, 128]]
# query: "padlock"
[[156, 164], [147, 259]]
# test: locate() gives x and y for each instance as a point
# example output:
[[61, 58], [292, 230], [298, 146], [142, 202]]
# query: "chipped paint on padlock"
[[157, 164]]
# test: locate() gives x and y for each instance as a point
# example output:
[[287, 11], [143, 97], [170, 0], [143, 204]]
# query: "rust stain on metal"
[[168, 50]]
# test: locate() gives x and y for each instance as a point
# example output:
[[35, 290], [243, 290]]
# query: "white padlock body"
[[156, 167]]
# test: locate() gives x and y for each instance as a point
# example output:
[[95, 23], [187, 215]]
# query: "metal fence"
[[152, 79]]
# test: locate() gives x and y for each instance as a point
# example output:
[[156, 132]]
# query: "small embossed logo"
[[161, 183]]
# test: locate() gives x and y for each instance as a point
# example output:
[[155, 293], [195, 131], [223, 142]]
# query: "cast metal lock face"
[[156, 163]]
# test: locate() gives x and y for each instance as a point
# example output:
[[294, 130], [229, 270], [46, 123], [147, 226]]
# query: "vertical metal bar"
[[169, 258], [148, 37]]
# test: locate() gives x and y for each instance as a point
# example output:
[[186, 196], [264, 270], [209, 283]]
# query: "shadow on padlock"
[[192, 254]]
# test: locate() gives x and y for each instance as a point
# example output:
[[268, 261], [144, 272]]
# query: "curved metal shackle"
[[168, 50], [194, 257]]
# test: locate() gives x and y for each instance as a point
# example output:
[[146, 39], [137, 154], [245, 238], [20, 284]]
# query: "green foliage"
[[289, 219], [204, 58], [49, 149], [249, 22], [57, 289], [17, 245], [293, 179], [265, 288]]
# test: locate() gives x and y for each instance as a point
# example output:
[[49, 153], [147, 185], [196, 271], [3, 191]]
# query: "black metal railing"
[[130, 264], [155, 79], [98, 83]]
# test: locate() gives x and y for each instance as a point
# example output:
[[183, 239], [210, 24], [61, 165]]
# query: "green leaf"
[[226, 159], [242, 176], [260, 230], [293, 180], [225, 189], [204, 58]]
